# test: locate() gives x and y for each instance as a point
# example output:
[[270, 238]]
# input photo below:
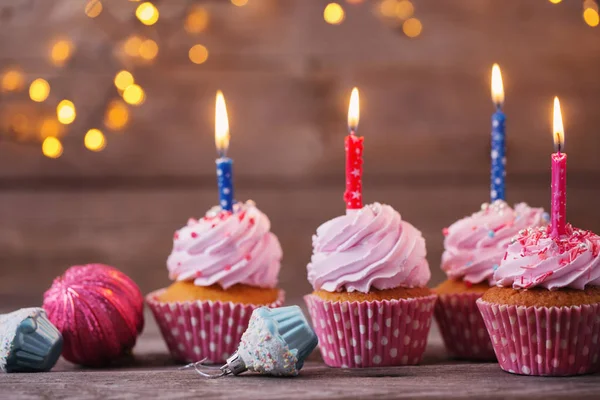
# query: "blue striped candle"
[[224, 175], [498, 156], [498, 153], [224, 163]]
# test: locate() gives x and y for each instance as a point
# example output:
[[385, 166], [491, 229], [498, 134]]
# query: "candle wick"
[[558, 142]]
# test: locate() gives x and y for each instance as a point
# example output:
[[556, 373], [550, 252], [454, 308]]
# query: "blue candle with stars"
[[498, 171], [224, 163]]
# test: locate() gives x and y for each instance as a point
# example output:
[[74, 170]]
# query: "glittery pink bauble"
[[99, 311]]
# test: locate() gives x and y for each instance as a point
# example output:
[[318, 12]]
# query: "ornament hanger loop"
[[199, 366]]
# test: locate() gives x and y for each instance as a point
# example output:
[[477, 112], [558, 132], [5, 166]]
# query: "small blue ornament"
[[28, 341], [277, 342]]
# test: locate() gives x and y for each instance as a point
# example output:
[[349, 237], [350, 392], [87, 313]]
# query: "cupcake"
[[544, 314], [370, 306], [223, 266], [473, 249]]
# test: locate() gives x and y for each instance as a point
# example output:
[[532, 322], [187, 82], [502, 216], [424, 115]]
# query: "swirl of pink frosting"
[[535, 258], [227, 248], [475, 245], [365, 249]]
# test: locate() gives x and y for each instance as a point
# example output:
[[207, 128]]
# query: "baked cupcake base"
[[240, 293], [372, 333], [557, 338], [197, 329], [461, 325]]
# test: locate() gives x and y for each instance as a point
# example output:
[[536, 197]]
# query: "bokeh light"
[[148, 49], [117, 115], [412, 27], [134, 95], [387, 8], [198, 54], [590, 16], [52, 147], [61, 52], [555, 1], [404, 9], [94, 140], [65, 112], [147, 13], [123, 79], [132, 45], [12, 80], [196, 20], [50, 127], [239, 3], [334, 14], [39, 90], [93, 8]]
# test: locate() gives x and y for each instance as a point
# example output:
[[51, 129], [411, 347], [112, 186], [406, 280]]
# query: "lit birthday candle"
[[498, 138], [354, 161], [559, 175], [224, 163]]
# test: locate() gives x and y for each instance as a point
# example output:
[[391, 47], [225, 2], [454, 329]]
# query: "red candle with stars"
[[559, 176], [354, 161]]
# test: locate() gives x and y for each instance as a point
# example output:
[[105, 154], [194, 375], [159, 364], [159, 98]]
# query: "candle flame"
[[221, 124], [353, 111], [558, 128], [497, 86]]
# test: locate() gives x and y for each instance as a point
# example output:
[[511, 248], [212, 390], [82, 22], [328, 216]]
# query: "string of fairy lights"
[[50, 128]]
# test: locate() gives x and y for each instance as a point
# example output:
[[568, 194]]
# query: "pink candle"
[[559, 176], [354, 157]]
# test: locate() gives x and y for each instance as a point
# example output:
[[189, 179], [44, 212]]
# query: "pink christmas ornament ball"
[[99, 311]]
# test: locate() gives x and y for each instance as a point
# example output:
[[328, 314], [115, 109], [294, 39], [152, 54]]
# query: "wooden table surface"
[[151, 374]]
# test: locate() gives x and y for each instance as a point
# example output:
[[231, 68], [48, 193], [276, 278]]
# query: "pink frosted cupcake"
[[473, 249], [544, 315], [224, 266], [371, 306]]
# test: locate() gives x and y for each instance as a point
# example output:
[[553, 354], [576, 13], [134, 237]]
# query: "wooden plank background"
[[286, 75]]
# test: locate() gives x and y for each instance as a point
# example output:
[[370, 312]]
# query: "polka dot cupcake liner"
[[542, 341], [194, 330], [371, 333], [462, 327]]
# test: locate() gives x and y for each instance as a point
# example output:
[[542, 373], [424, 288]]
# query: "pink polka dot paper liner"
[[371, 333], [555, 341], [194, 330], [462, 327]]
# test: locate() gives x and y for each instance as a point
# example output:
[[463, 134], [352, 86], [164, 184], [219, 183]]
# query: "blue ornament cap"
[[290, 324], [28, 341]]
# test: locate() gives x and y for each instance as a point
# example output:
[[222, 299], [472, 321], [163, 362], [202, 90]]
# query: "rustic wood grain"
[[286, 75], [44, 232], [151, 374], [425, 117], [425, 102]]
